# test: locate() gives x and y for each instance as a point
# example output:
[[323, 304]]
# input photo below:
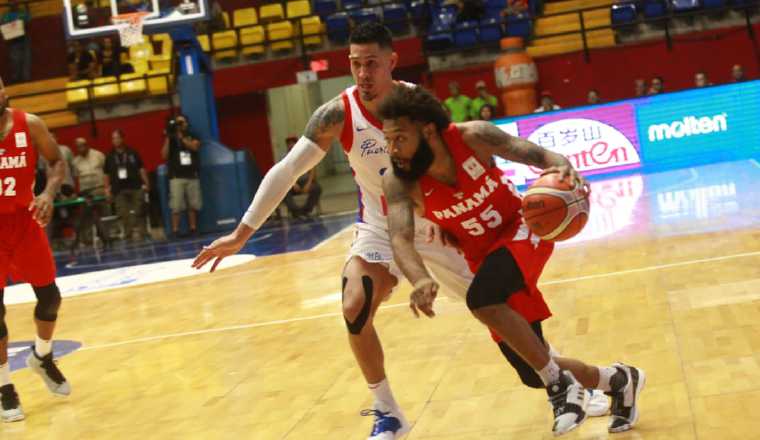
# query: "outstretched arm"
[[489, 140], [323, 128], [401, 228]]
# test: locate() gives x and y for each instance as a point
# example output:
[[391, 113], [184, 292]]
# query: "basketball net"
[[130, 27]]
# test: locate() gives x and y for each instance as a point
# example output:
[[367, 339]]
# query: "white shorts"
[[446, 265]]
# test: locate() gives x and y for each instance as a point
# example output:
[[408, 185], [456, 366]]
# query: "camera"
[[171, 126]]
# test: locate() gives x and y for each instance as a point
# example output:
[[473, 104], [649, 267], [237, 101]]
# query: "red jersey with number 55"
[[482, 209], [18, 162]]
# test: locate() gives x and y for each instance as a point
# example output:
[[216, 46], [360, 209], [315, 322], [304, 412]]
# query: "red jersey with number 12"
[[18, 162], [480, 210]]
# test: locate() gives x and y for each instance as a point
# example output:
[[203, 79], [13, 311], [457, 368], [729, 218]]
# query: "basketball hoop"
[[130, 27]]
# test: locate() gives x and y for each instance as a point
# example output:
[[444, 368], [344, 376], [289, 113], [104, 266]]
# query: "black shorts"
[[527, 374]]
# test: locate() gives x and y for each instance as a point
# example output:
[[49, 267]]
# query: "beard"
[[419, 164]]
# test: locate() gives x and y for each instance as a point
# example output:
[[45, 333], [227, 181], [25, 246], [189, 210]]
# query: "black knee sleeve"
[[528, 375], [356, 327], [48, 302], [498, 277], [3, 327]]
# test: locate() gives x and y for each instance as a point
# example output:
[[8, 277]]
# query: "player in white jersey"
[[370, 273]]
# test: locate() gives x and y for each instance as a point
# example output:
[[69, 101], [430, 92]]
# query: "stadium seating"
[[76, 92], [105, 87], [132, 84], [161, 59], [623, 13], [311, 28], [394, 16], [420, 12], [245, 17], [685, 5], [324, 8], [298, 9], [363, 15], [278, 31], [252, 35], [654, 9], [713, 4], [352, 4], [519, 27], [439, 38], [466, 33], [224, 40], [271, 13], [338, 27], [490, 30], [158, 85]]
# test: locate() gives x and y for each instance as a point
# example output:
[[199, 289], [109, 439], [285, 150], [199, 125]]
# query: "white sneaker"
[[598, 403], [569, 401], [10, 406], [47, 369], [390, 423]]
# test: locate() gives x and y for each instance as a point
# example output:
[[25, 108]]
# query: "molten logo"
[[688, 126]]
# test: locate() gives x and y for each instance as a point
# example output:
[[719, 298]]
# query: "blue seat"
[[338, 27], [713, 4], [490, 30], [351, 4], [493, 8], [466, 33], [445, 19], [654, 9], [519, 26], [685, 5], [445, 9], [394, 16], [439, 38], [623, 13], [323, 8], [363, 15]]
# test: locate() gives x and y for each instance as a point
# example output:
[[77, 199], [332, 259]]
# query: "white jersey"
[[364, 144]]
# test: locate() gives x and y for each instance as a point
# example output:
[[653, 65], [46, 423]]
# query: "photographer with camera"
[[180, 150]]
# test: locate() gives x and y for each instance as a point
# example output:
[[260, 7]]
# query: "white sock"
[[5, 374], [42, 347], [550, 372], [383, 393], [605, 374]]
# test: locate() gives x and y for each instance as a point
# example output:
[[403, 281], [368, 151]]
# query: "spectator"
[[639, 87], [657, 85], [482, 99], [700, 80], [89, 166], [181, 151], [126, 183], [17, 42], [82, 63], [593, 97], [547, 103], [737, 73], [458, 105], [487, 112], [109, 58], [306, 184], [68, 157]]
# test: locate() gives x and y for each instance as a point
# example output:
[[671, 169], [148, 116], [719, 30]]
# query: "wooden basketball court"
[[259, 351]]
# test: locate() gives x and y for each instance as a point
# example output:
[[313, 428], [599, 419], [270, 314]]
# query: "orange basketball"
[[553, 209]]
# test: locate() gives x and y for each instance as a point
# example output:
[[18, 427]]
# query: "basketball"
[[555, 210]]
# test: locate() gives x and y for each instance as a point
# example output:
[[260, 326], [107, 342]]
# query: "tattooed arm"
[[399, 196], [323, 128], [326, 123], [489, 140]]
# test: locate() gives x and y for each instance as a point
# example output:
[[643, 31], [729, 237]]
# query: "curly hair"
[[415, 103], [372, 32]]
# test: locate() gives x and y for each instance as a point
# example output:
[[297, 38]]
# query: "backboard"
[[85, 19]]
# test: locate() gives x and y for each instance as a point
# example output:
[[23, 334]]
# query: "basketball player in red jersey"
[[24, 250], [446, 173]]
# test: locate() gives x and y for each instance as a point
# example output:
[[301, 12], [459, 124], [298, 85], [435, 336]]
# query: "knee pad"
[[48, 302], [498, 277], [356, 327]]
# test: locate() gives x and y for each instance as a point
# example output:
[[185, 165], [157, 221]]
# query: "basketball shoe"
[[48, 370], [390, 423], [598, 403], [629, 382], [10, 406], [569, 400]]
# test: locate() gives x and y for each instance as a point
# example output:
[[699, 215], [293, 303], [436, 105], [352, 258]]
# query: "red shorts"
[[531, 255], [25, 254]]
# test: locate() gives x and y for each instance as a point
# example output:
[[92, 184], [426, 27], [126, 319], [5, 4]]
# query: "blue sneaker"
[[389, 424]]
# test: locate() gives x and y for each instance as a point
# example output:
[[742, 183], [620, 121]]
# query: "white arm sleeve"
[[304, 156]]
